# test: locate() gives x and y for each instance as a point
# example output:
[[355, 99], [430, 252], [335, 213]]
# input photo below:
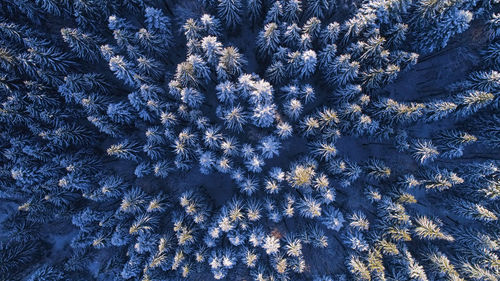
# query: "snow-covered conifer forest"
[[265, 140]]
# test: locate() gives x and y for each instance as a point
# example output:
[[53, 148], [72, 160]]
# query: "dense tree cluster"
[[105, 106]]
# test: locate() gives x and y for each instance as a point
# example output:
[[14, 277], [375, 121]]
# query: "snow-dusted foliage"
[[249, 140]]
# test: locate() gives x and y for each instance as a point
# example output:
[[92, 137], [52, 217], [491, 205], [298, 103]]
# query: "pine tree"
[[310, 207], [254, 10], [486, 81], [332, 219], [274, 13], [276, 72], [292, 10], [424, 151], [192, 30], [254, 164], [359, 222], [14, 255], [450, 23], [49, 58], [377, 170], [342, 71], [263, 115], [192, 72], [312, 28], [271, 244], [397, 35], [123, 70], [318, 8], [269, 39], [143, 224], [308, 62], [234, 118], [284, 130], [269, 147], [330, 33], [358, 269], [68, 134], [226, 92], [413, 269], [192, 97], [124, 150], [82, 44], [492, 54], [120, 113], [230, 63], [427, 229], [211, 48], [230, 11], [472, 101], [291, 36], [104, 125], [211, 25], [293, 109], [474, 211], [46, 273], [324, 150], [149, 67], [294, 61]]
